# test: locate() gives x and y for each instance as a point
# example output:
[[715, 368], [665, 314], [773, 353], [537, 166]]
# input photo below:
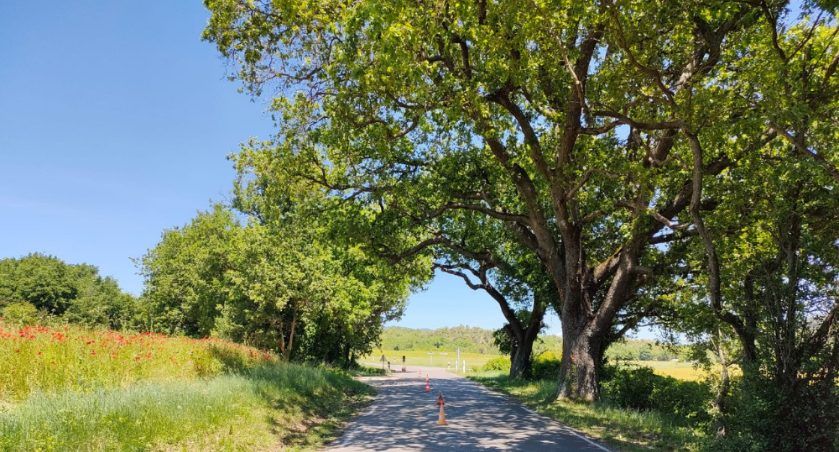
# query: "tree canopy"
[[75, 293], [601, 157]]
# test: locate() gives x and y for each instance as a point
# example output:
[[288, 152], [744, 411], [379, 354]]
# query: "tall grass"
[[75, 389], [37, 358]]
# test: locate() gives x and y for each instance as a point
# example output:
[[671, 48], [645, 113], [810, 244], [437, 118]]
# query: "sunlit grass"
[[428, 358], [680, 370], [76, 389], [624, 429], [38, 358], [475, 362]]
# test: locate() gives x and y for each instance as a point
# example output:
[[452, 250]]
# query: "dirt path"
[[404, 417]]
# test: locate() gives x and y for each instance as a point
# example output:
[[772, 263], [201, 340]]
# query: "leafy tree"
[[44, 281], [769, 249], [510, 340], [567, 125], [100, 301], [185, 280], [276, 282], [347, 293], [76, 293]]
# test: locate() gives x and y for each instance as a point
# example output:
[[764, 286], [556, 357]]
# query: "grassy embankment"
[[620, 428], [74, 389]]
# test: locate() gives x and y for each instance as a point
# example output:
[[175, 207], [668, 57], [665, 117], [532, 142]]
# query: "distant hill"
[[479, 340], [467, 338]]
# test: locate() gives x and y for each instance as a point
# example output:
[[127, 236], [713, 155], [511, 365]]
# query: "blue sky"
[[115, 123]]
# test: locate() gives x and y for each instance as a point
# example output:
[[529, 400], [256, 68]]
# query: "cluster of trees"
[[273, 277], [619, 161], [38, 285]]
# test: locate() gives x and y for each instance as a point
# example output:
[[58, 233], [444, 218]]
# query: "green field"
[[438, 348], [428, 358], [475, 361], [70, 388]]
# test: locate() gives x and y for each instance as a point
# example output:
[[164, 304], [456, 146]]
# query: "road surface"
[[404, 417]]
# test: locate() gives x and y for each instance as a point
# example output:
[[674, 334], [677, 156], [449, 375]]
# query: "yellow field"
[[677, 369]]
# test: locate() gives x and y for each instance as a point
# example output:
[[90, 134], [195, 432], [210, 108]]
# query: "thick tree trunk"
[[521, 360], [581, 355]]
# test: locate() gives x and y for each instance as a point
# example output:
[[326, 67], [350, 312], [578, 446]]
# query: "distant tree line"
[[480, 340], [37, 287]]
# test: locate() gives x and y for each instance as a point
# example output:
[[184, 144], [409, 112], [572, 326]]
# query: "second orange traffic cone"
[[427, 385]]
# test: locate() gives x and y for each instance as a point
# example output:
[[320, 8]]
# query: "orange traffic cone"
[[427, 386], [441, 419]]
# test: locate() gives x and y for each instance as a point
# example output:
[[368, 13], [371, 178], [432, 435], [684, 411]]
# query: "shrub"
[[499, 363], [762, 416], [20, 313], [546, 366], [641, 389]]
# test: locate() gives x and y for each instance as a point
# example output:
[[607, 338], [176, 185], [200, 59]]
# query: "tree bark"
[[581, 356], [521, 361]]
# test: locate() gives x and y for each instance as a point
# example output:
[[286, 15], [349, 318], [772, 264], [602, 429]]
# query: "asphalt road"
[[404, 417]]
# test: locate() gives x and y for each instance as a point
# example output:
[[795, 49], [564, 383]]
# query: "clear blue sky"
[[115, 121]]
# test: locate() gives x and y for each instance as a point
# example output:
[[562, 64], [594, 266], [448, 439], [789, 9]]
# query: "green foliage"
[[639, 388], [44, 281], [501, 363], [760, 416], [642, 350], [546, 366], [279, 285], [185, 275], [20, 313], [468, 339], [622, 159], [73, 293]]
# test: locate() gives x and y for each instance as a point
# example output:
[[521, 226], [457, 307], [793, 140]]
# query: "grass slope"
[[75, 389], [623, 429]]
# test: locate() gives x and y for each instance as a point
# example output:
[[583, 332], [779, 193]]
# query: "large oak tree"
[[584, 130]]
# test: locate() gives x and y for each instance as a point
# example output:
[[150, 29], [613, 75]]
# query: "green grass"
[[624, 429], [428, 358], [179, 394]]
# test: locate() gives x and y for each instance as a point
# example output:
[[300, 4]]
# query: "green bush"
[[762, 416], [20, 313], [641, 389], [499, 363], [546, 366]]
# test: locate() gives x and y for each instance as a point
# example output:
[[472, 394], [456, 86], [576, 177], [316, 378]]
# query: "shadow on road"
[[404, 416]]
